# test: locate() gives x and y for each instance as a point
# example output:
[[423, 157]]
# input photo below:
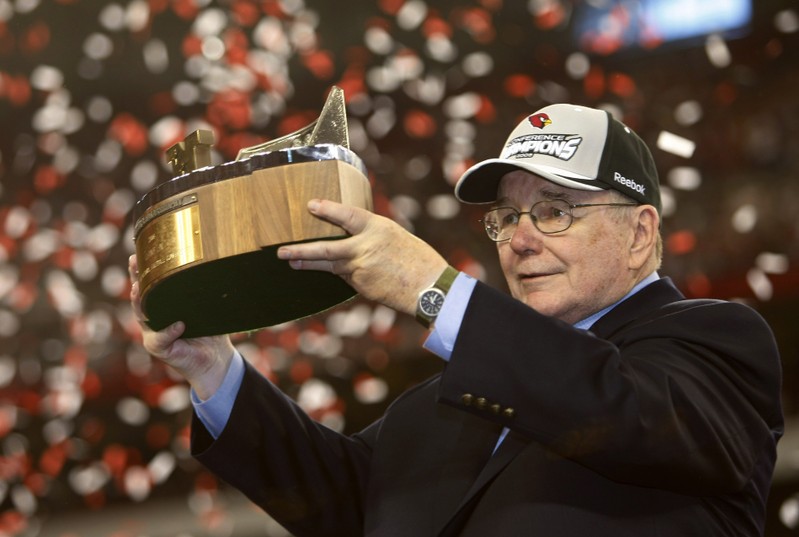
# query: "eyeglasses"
[[548, 216]]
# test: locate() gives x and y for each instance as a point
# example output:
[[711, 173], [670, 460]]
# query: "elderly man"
[[596, 400]]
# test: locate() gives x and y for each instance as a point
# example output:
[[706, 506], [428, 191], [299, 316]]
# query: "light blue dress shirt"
[[214, 412]]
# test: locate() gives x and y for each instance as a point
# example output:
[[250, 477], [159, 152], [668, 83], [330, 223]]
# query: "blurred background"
[[93, 433]]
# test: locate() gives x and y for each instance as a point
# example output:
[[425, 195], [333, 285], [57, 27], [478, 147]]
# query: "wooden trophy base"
[[206, 241]]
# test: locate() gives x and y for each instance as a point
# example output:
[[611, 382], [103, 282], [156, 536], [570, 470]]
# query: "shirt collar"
[[589, 321]]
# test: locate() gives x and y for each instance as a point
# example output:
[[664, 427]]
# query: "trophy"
[[206, 240]]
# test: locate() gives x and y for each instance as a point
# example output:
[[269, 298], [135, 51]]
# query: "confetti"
[[92, 94]]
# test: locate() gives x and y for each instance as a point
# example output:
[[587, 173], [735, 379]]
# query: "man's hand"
[[380, 259], [203, 361]]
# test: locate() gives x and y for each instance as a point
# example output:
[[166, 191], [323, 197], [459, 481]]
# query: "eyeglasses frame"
[[571, 207]]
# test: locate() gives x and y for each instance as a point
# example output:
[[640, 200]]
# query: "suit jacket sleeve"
[[685, 398], [308, 477]]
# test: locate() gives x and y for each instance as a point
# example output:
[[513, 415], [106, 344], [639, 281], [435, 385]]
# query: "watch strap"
[[443, 284]]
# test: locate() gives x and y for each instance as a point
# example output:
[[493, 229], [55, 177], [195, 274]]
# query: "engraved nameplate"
[[169, 242]]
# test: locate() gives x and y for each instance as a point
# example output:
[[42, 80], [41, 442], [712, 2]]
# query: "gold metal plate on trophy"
[[207, 240], [170, 243]]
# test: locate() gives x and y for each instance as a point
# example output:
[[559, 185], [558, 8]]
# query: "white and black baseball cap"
[[573, 146]]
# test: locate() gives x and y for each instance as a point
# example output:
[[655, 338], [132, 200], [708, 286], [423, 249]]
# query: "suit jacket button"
[[495, 408], [467, 399], [481, 402], [508, 412]]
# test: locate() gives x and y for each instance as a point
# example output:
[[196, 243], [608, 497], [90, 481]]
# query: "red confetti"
[[698, 285], [52, 460], [379, 22], [8, 245], [230, 109], [185, 9], [419, 124], [377, 359], [519, 85], [245, 12], [37, 483], [29, 401], [183, 438], [12, 523], [158, 436], [601, 43], [47, 178], [130, 132], [352, 84], [725, 93], [391, 7], [62, 258], [487, 112], [301, 370], [162, 103], [272, 8], [551, 17], [289, 339], [36, 38], [622, 85], [93, 430], [594, 83], [76, 357], [192, 45], [478, 23], [158, 6], [320, 63], [774, 48], [24, 295], [236, 46], [681, 242], [435, 25], [95, 500], [91, 385], [206, 481], [115, 458], [151, 393], [16, 89], [7, 422]]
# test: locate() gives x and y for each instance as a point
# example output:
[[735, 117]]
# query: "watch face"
[[431, 301]]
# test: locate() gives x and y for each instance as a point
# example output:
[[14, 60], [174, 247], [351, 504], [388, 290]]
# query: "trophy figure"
[[207, 240]]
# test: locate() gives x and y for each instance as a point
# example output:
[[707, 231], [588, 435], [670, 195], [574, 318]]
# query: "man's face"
[[574, 273]]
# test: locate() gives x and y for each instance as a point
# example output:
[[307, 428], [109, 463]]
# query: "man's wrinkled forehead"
[[533, 188]]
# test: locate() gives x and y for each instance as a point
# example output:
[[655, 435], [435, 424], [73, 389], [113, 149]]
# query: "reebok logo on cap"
[[629, 183]]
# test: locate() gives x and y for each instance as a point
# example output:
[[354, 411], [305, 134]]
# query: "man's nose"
[[526, 236]]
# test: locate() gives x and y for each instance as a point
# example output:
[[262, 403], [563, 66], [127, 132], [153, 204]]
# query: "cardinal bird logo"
[[539, 121]]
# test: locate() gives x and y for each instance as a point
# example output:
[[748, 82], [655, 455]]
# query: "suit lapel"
[[463, 463], [506, 452], [649, 299]]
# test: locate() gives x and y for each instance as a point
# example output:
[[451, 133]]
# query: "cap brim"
[[479, 183]]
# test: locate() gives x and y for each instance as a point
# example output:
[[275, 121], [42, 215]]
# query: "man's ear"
[[647, 227]]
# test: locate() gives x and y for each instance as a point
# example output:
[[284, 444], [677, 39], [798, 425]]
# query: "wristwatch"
[[432, 299]]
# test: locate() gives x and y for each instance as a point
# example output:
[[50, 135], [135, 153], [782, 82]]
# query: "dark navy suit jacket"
[[660, 422]]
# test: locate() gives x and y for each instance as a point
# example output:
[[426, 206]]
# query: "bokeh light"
[[94, 431]]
